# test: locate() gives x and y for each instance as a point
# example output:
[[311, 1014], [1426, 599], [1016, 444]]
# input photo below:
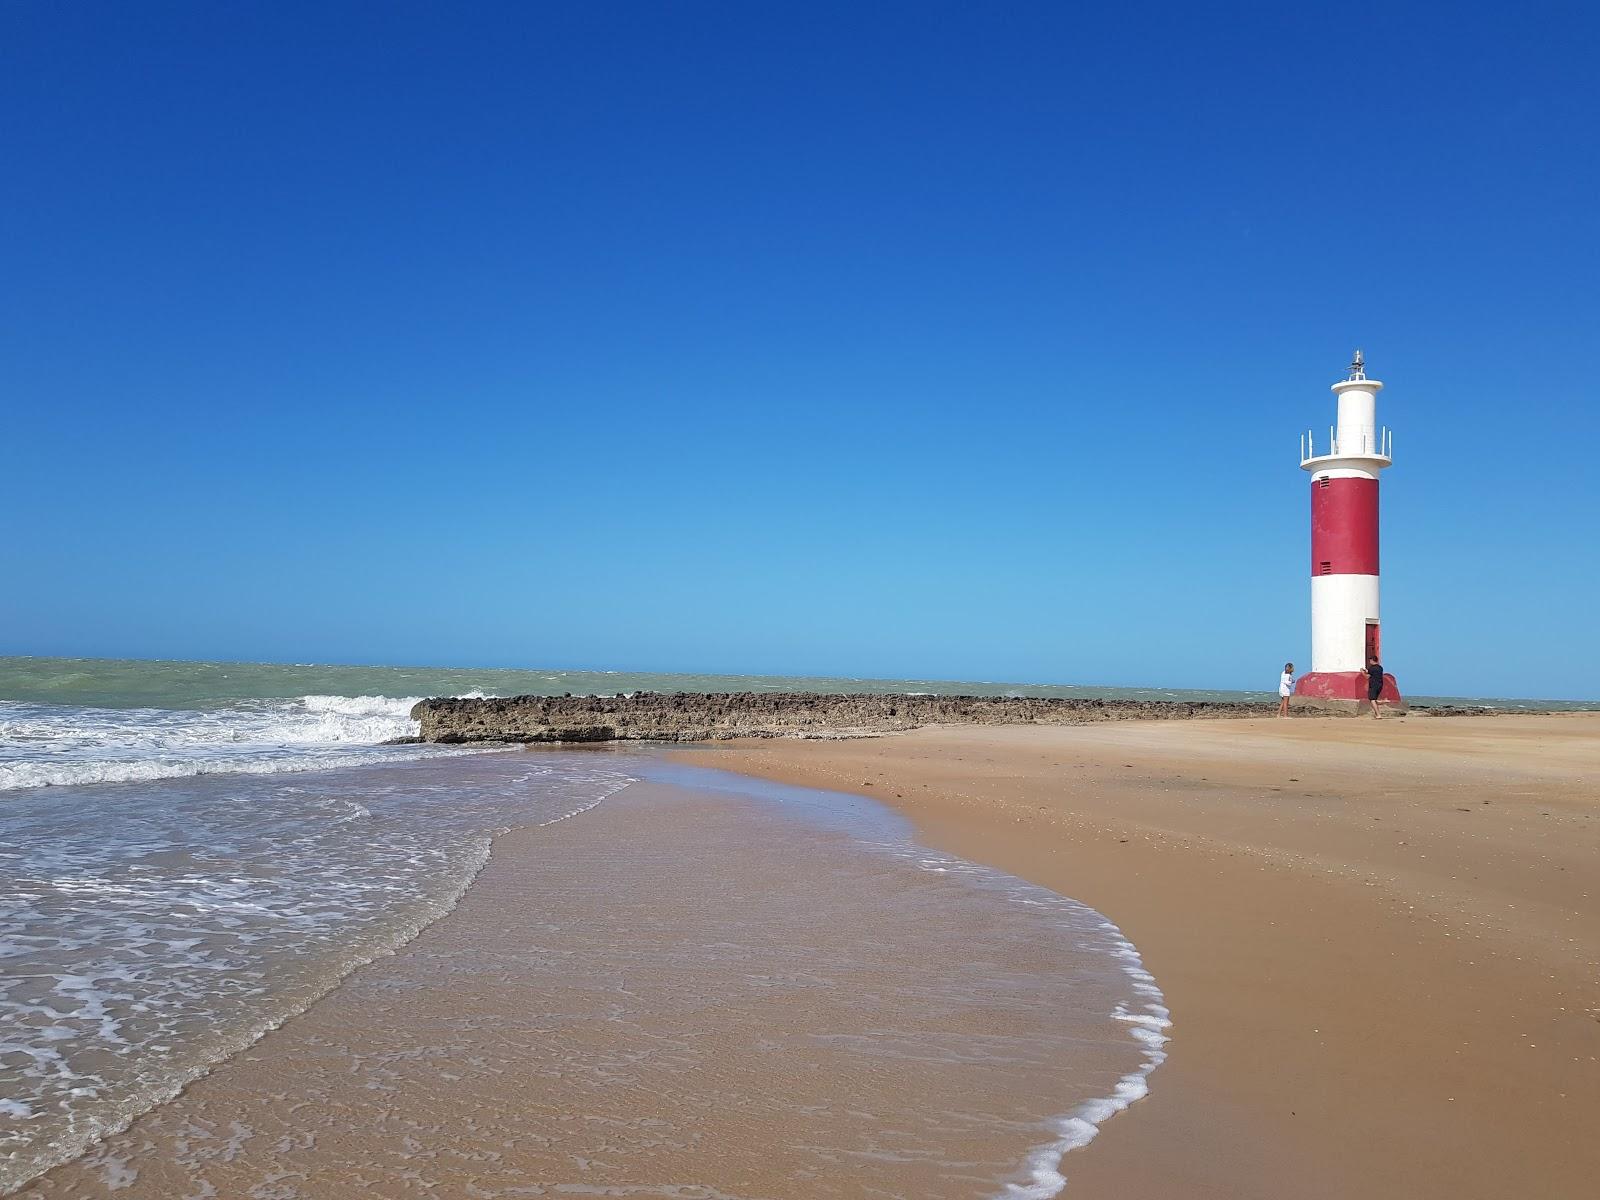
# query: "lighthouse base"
[[1343, 692]]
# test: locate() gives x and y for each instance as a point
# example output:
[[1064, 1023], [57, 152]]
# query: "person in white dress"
[[1285, 689]]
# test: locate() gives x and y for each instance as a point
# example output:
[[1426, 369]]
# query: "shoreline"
[[1378, 940], [551, 1029]]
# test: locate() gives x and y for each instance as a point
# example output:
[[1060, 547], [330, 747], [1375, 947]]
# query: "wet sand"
[[679, 993], [1380, 941]]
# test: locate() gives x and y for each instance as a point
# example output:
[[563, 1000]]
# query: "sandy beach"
[[1379, 941]]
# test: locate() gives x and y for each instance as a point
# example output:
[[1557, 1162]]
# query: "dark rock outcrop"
[[697, 717]]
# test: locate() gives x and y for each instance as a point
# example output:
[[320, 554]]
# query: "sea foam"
[[147, 932], [44, 745]]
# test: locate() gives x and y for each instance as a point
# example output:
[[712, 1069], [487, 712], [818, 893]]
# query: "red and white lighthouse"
[[1345, 627]]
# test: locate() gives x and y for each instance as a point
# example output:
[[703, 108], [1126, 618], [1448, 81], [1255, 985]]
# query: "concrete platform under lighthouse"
[[1343, 692]]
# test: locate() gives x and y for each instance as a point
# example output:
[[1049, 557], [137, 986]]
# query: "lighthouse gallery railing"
[[1374, 445]]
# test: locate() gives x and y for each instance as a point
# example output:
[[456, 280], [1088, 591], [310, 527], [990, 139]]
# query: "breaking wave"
[[43, 745]]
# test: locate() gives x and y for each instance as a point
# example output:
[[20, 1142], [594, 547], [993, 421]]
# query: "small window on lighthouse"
[[1323, 482], [1327, 568]]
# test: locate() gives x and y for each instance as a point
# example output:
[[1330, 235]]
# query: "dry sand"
[[1379, 940]]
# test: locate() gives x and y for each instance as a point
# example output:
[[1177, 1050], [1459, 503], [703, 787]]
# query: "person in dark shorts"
[[1374, 683]]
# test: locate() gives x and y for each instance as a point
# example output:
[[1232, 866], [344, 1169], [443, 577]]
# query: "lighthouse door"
[[1372, 641]]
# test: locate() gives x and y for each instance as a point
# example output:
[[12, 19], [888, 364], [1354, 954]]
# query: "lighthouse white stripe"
[[1341, 606]]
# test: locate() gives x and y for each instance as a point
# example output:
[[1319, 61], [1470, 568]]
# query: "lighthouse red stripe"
[[1344, 526]]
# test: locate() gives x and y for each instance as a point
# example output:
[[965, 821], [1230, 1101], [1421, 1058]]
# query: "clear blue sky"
[[940, 340]]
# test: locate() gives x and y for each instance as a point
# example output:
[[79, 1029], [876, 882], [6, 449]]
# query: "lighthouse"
[[1345, 626]]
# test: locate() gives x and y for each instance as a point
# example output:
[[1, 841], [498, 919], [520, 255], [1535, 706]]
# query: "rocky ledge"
[[695, 717]]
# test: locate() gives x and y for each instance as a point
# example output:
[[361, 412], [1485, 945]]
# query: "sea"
[[193, 854]]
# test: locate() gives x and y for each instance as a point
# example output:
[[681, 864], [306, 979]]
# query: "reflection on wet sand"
[[680, 993]]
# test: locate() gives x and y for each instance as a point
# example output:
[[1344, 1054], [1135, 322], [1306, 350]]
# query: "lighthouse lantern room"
[[1345, 626]]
